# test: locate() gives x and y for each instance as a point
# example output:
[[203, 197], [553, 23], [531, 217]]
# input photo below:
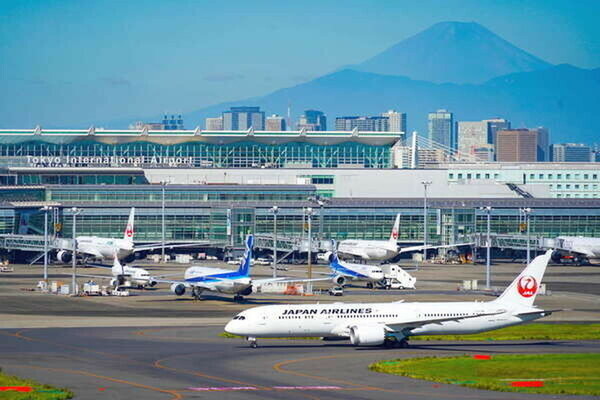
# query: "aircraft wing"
[[420, 322], [187, 284], [260, 282], [421, 247], [100, 276], [155, 246]]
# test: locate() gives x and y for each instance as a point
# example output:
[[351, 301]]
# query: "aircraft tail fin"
[[117, 268], [395, 230], [246, 262], [334, 261], [524, 288], [128, 233]]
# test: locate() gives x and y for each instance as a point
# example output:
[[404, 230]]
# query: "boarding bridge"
[[515, 242], [287, 245], [32, 242]]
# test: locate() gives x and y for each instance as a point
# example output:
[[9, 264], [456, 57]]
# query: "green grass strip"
[[39, 391], [577, 374]]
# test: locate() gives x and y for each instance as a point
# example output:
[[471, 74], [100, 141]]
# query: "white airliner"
[[391, 324], [239, 283], [382, 250], [343, 271], [372, 249], [583, 249], [126, 276], [96, 247]]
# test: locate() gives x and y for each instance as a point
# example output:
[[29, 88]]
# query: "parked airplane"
[[343, 271], [123, 275], [96, 247], [372, 249], [391, 324], [239, 283], [580, 248], [382, 250]]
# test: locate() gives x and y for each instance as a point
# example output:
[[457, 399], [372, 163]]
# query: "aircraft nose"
[[231, 327]]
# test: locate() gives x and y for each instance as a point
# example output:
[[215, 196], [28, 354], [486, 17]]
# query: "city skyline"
[[75, 85]]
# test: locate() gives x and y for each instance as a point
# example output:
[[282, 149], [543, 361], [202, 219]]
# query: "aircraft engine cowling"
[[339, 280], [367, 335], [152, 283], [246, 292], [178, 289], [64, 256]]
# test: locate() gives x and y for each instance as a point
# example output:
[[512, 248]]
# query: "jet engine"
[[367, 335], [339, 280], [178, 289], [152, 283], [64, 256], [246, 292]]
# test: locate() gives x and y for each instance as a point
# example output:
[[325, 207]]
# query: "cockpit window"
[[239, 317]]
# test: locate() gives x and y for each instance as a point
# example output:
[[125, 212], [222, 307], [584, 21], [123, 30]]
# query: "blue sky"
[[71, 63]]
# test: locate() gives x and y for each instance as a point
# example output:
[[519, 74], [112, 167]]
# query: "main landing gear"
[[252, 341], [390, 343]]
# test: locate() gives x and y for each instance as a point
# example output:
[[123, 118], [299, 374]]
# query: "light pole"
[[321, 202], [488, 211], [274, 210], [75, 212], [526, 212], [46, 209], [309, 212], [163, 185], [425, 185]]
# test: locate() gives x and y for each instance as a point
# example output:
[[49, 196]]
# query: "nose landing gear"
[[252, 341]]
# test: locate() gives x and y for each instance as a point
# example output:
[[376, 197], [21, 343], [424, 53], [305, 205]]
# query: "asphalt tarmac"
[[194, 362]]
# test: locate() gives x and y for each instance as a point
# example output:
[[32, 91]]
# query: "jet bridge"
[[515, 242], [287, 245]]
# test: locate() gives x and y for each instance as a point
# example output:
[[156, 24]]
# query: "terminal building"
[[218, 186]]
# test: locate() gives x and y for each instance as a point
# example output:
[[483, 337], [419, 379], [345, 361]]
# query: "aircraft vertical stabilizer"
[[395, 230], [246, 262], [524, 288], [128, 233], [117, 268]]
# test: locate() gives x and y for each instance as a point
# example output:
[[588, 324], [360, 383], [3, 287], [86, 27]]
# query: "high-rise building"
[[365, 124], [494, 125], [519, 145], [243, 118], [214, 124], [441, 128], [543, 144], [313, 120], [275, 123], [396, 121], [173, 122], [571, 152], [473, 135]]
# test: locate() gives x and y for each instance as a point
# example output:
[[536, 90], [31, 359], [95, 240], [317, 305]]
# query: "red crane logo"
[[527, 286]]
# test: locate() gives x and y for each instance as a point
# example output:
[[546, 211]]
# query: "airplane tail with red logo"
[[128, 233], [524, 288], [395, 230]]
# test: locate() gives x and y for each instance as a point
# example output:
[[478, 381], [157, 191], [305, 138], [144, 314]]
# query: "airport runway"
[[194, 362]]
